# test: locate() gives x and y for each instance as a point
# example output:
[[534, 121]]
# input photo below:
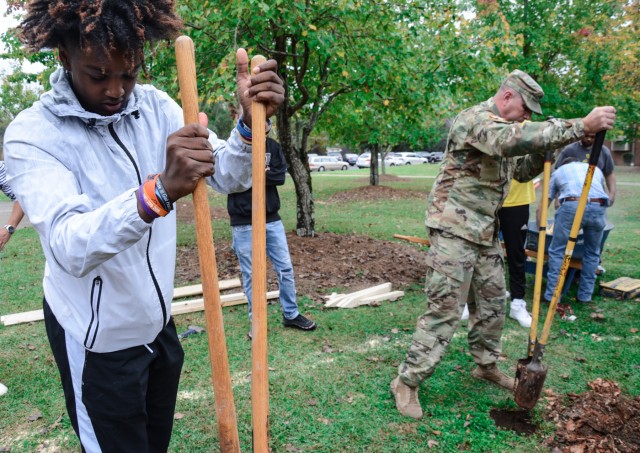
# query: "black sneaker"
[[299, 322]]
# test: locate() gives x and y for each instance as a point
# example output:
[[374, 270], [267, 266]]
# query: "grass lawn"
[[329, 390]]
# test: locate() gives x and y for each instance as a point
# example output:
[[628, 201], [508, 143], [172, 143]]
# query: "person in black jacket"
[[239, 206]]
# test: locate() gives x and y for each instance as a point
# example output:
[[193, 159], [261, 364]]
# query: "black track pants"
[[120, 401], [514, 221]]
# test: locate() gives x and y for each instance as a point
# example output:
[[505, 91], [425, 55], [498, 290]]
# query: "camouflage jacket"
[[484, 152]]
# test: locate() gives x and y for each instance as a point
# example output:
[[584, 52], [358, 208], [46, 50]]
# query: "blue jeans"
[[278, 253], [593, 224]]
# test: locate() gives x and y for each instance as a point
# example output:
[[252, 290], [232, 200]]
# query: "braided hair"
[[99, 26]]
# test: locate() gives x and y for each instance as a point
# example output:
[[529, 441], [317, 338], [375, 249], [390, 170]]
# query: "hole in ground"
[[518, 421]]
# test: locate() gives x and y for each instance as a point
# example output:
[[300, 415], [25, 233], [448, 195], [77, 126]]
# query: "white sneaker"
[[465, 313], [3, 389], [519, 312]]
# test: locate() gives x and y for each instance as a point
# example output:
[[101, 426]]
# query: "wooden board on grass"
[[621, 288]]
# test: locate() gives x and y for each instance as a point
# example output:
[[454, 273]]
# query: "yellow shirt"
[[520, 193]]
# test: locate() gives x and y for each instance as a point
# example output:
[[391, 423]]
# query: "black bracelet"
[[162, 195]]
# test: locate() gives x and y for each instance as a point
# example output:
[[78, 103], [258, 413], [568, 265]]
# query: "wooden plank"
[[621, 288], [391, 295], [227, 300], [575, 264], [337, 299], [187, 306], [194, 290], [354, 297], [415, 239], [20, 318]]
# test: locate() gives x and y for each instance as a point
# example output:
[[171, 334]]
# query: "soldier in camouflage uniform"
[[488, 145]]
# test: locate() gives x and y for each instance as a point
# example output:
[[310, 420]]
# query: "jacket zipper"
[[153, 276], [96, 295]]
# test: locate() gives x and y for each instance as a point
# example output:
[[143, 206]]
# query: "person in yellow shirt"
[[514, 220]]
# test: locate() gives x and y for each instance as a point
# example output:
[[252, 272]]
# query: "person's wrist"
[[10, 228]]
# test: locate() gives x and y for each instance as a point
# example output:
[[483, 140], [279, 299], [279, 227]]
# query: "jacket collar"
[[62, 102]]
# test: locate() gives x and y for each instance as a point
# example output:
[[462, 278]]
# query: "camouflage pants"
[[458, 272]]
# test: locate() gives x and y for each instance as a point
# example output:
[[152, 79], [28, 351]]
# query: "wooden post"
[[223, 394], [259, 358]]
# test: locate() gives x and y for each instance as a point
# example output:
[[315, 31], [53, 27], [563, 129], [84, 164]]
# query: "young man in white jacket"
[[97, 164]]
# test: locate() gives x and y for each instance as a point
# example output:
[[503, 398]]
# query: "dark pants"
[[513, 225], [121, 401]]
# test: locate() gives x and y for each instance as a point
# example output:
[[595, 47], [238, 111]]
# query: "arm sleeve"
[[233, 168], [3, 183], [74, 232], [608, 161], [528, 167], [496, 136]]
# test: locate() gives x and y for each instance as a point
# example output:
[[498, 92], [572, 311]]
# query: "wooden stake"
[[223, 394], [259, 358]]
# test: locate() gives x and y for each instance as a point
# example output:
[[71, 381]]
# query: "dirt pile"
[[601, 420], [327, 261]]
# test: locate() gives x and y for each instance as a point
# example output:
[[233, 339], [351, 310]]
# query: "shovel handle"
[[573, 236], [259, 356], [225, 408], [542, 237]]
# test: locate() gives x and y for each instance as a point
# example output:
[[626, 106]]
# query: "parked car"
[[393, 159], [364, 160], [322, 163], [424, 154], [406, 158], [336, 154], [436, 156], [351, 158]]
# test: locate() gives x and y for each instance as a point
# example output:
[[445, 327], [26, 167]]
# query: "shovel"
[[225, 407], [521, 367], [531, 372]]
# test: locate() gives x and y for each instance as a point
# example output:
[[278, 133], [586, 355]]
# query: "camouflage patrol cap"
[[530, 91]]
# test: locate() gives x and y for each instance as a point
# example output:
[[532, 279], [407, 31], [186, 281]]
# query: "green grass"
[[329, 389]]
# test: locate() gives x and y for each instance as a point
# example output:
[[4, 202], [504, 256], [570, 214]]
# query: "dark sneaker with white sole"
[[299, 322]]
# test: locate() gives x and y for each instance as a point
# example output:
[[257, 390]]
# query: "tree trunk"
[[294, 148], [373, 173], [299, 170]]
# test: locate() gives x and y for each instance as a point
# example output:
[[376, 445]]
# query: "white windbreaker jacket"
[[108, 275]]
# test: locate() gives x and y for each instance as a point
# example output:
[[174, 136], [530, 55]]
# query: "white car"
[[406, 158], [324, 163], [393, 159], [364, 160]]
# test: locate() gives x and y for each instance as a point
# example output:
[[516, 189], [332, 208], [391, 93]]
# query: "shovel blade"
[[530, 376]]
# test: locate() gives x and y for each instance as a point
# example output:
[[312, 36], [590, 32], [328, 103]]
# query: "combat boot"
[[491, 373], [406, 399]]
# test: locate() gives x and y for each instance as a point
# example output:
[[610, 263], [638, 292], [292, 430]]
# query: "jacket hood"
[[62, 102]]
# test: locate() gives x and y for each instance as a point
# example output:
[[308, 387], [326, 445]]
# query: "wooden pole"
[[542, 237], [223, 394], [259, 358], [573, 236]]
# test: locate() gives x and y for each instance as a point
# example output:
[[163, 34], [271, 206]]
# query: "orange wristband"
[[150, 198]]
